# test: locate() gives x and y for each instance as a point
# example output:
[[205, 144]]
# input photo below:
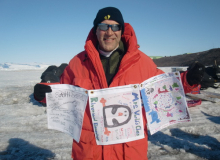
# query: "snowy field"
[[24, 134]]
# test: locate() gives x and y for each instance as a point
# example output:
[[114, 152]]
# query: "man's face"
[[108, 40]]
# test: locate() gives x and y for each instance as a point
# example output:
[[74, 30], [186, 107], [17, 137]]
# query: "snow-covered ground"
[[16, 66], [24, 134]]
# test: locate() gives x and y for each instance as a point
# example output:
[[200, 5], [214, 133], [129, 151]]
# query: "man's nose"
[[109, 31]]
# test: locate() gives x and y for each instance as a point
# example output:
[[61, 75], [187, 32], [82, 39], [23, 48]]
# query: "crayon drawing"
[[116, 114], [164, 101]]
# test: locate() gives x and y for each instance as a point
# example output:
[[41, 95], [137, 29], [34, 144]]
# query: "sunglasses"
[[105, 27]]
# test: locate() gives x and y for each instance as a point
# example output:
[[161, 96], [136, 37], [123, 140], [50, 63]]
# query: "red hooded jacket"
[[85, 70]]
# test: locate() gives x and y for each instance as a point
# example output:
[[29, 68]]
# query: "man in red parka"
[[111, 58]]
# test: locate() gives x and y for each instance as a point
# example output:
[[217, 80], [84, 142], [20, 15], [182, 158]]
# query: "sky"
[[54, 31]]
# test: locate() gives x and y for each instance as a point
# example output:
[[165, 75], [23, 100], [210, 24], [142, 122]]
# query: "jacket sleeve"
[[73, 68]]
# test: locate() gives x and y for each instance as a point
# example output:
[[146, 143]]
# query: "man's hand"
[[40, 91], [195, 73]]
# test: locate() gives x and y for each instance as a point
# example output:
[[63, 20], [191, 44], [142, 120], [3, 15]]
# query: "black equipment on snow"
[[52, 73], [211, 77], [195, 73]]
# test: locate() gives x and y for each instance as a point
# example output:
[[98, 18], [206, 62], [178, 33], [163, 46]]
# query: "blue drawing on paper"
[[154, 117], [145, 101]]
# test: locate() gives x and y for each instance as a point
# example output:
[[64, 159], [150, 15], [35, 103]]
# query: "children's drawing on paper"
[[164, 101], [116, 114], [65, 110]]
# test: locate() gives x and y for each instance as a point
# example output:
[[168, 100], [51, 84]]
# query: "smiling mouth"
[[108, 39]]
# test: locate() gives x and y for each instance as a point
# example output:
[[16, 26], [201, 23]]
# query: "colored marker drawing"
[[164, 101], [116, 114]]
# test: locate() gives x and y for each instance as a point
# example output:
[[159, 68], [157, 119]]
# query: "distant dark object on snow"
[[52, 73], [207, 58]]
